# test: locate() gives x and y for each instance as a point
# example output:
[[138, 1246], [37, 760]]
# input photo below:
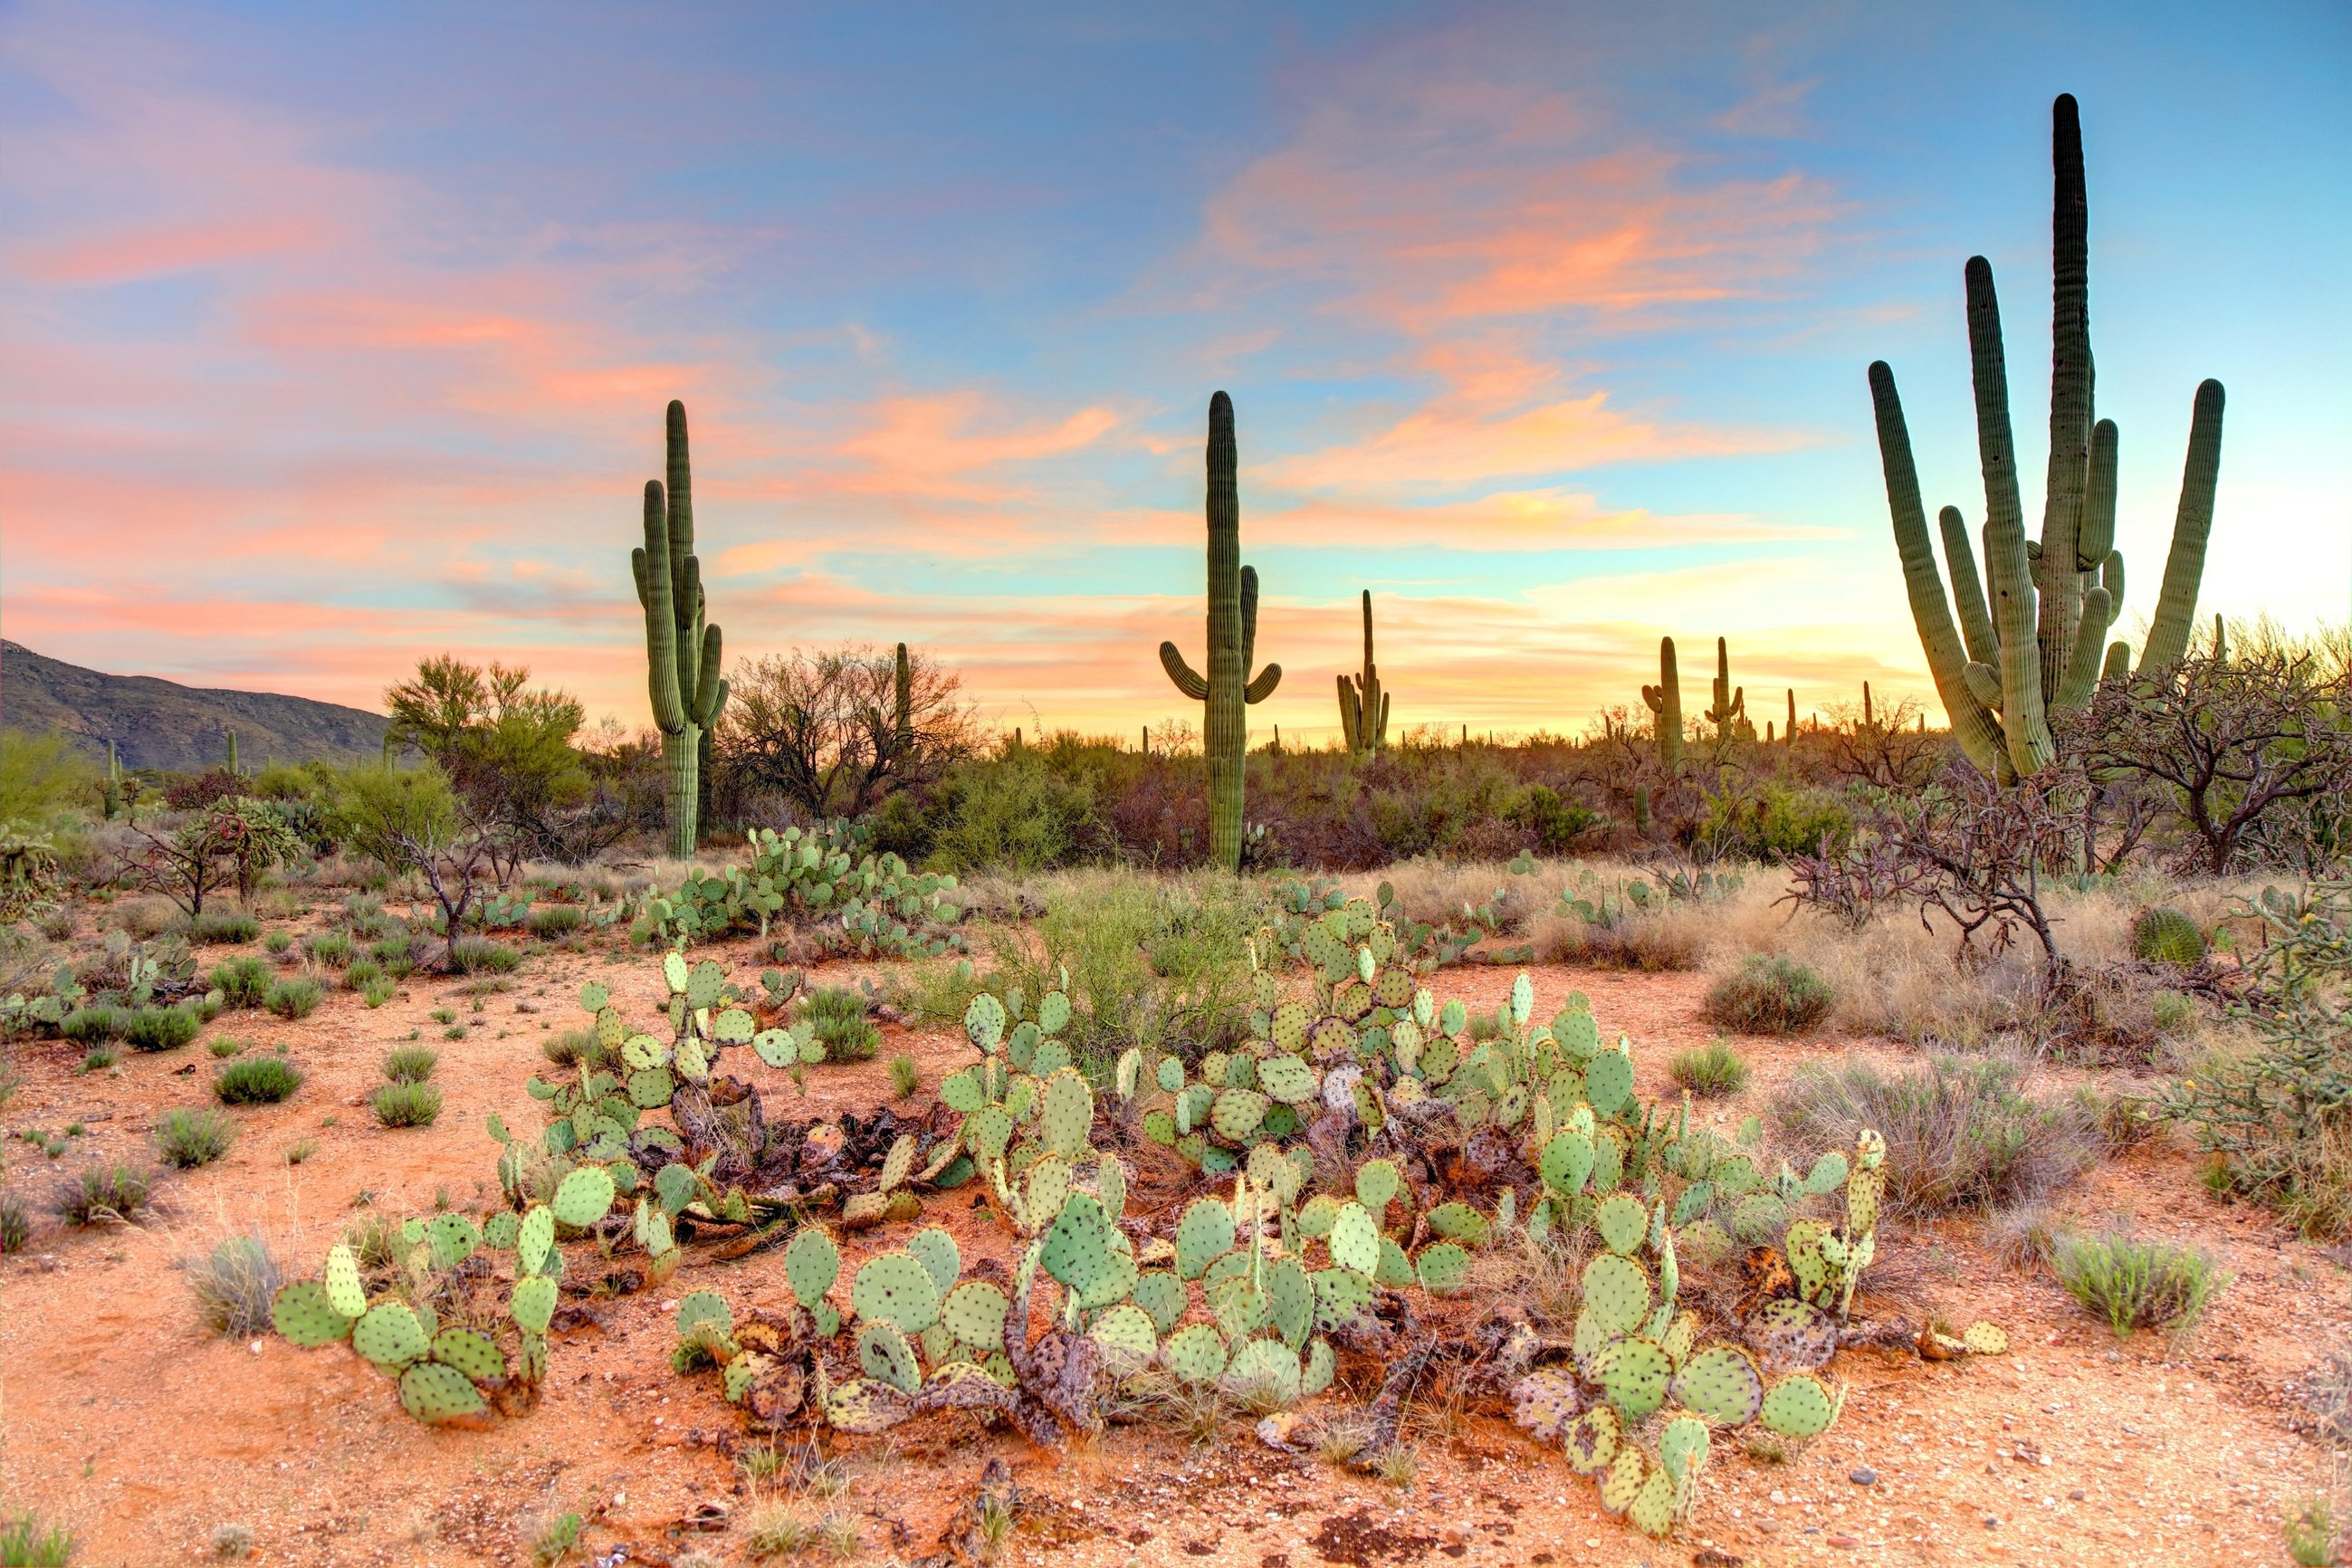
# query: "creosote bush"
[[1960, 1132], [103, 1192], [1709, 1070], [2134, 1284], [187, 1137], [1769, 994], [233, 1285], [88, 1025], [842, 1027], [256, 1080], [160, 1028], [406, 1104], [219, 928], [242, 981], [295, 996]]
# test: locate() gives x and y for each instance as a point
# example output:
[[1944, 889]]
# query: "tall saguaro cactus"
[[1363, 701], [2032, 650], [1666, 700], [1228, 686], [681, 652], [902, 706], [1729, 711]]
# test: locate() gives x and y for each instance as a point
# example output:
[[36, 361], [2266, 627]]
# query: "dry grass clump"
[[1960, 1132], [2134, 1284], [1769, 993]]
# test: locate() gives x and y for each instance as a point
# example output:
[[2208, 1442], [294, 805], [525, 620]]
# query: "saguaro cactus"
[[232, 754], [2034, 650], [681, 652], [1227, 687], [1666, 700], [902, 716], [1729, 711], [1363, 701]]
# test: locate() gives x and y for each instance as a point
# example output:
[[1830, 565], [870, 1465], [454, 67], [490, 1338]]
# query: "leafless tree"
[[820, 727]]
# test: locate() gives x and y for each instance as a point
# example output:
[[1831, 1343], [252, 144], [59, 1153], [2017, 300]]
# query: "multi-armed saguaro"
[[681, 652], [1363, 701], [2034, 650], [1729, 711], [1233, 639], [1666, 700]]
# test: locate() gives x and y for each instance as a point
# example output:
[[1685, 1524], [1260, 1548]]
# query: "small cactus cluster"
[[2167, 936], [1609, 903], [827, 873], [453, 1374], [1027, 1112]]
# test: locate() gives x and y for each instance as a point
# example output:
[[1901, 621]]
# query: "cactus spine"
[[1363, 702], [1666, 700], [1227, 688], [681, 652], [2032, 650]]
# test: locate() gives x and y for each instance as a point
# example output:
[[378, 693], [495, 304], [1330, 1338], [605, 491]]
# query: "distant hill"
[[161, 724]]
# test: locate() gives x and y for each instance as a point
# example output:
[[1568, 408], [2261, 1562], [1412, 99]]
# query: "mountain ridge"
[[158, 724]]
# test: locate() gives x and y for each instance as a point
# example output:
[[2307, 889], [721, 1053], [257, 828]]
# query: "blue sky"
[[341, 335]]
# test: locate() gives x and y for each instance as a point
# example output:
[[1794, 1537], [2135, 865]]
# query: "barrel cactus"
[[2167, 936]]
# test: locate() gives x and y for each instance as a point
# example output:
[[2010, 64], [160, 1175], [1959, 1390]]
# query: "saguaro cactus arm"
[[2023, 722], [1188, 680], [2058, 574], [655, 587], [2184, 566]]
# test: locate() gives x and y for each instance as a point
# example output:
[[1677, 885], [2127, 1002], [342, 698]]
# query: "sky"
[[335, 336]]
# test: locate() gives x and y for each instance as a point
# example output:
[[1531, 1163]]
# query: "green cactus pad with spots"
[[1290, 1298], [1068, 1114], [535, 1238], [433, 1393], [1341, 1297], [1355, 1240], [1316, 1217], [1321, 1368], [453, 1239], [1616, 1292], [584, 1197], [893, 1287], [500, 1230], [812, 1264], [1288, 1026], [1377, 1183], [1621, 1221], [984, 1022], [1240, 1307], [1652, 1510], [1682, 1451], [1204, 1235], [532, 1304], [390, 1336], [1161, 1294], [1263, 1370], [1759, 1218], [974, 1312], [1567, 1161], [1986, 1338], [1237, 1113], [1443, 1269], [471, 1353], [704, 985], [1721, 1383], [1827, 1175], [883, 1353], [1609, 1082], [1077, 1247], [1196, 1354], [1460, 1221], [1288, 1079], [987, 1130], [1633, 1375], [939, 1254], [341, 1282], [1622, 1483], [705, 1307], [1395, 1270], [1127, 1336], [302, 1313], [1798, 1406], [1591, 1441]]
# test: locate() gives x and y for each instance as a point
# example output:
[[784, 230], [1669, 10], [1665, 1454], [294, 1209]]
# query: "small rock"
[[2078, 1495], [1769, 1526], [255, 1347], [1991, 1523], [1864, 1477], [1844, 1542]]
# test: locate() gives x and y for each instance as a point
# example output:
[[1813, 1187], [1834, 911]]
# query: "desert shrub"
[[41, 774], [219, 928], [838, 1017], [360, 972], [480, 956], [23, 1540], [331, 947], [224, 1045], [256, 1080], [1709, 1070], [377, 992], [406, 1104], [2137, 1284], [160, 1028], [295, 996], [234, 1286], [1774, 822], [103, 1191], [392, 949], [146, 918], [905, 1077], [2310, 1532], [410, 1064], [1960, 1132], [2278, 1117], [1556, 821], [549, 921], [15, 1228], [1769, 994], [555, 1540], [187, 1137], [1013, 815], [98, 1058], [364, 918], [279, 942], [242, 981], [2167, 936], [574, 1047], [89, 1025]]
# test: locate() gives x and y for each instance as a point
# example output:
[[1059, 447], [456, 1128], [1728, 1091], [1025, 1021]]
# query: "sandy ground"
[[130, 1424]]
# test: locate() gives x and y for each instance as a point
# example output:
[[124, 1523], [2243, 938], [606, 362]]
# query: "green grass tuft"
[[188, 1136], [256, 1080], [406, 1104]]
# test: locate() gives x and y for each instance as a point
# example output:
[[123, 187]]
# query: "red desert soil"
[[130, 1425]]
